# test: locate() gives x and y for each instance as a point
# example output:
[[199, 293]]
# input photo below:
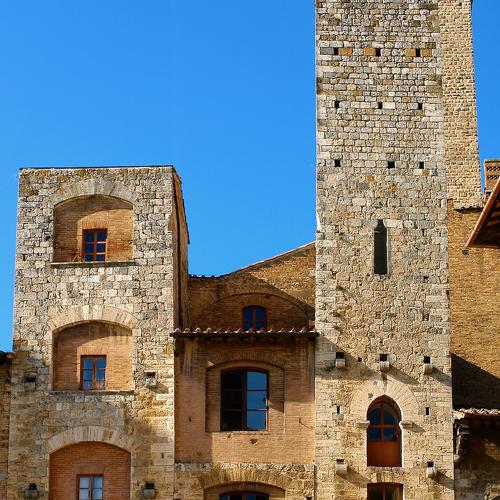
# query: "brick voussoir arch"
[[90, 434], [371, 390], [87, 313], [93, 187], [221, 476]]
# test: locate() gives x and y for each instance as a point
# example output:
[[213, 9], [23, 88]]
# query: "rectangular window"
[[90, 487], [95, 245], [244, 395], [93, 374]]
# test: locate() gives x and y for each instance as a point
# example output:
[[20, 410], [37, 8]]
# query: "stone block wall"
[[459, 104], [141, 295], [4, 421], [380, 153]]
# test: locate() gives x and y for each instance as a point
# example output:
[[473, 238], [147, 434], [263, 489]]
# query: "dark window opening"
[[244, 496], [90, 487], [391, 164], [427, 359], [380, 105], [380, 265], [418, 52], [337, 163], [427, 411], [378, 52], [384, 436], [337, 104], [421, 164], [244, 400], [254, 317], [93, 374], [420, 106], [385, 491], [384, 357], [335, 51], [95, 245]]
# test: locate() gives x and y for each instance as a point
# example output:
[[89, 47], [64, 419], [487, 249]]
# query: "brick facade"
[[85, 459], [92, 339]]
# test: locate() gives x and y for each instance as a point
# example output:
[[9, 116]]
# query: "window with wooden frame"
[[90, 487], [244, 400], [254, 317], [95, 244], [93, 373], [385, 491], [244, 496], [384, 435]]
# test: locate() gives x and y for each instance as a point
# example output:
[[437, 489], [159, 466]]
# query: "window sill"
[[79, 392], [107, 263], [244, 433]]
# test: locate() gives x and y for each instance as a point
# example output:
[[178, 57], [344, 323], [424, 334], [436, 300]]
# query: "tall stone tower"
[[395, 117], [101, 273]]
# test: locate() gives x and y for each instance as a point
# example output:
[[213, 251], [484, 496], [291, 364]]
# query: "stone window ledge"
[[108, 263], [244, 433], [71, 392]]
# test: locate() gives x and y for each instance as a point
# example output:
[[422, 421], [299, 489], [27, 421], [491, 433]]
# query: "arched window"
[[244, 395], [244, 496], [384, 435], [254, 317], [385, 491]]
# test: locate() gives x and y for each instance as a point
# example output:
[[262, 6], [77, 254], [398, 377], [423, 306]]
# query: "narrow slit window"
[[380, 264], [95, 242], [418, 52], [378, 52]]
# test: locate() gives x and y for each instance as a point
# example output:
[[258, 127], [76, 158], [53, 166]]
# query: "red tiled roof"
[[477, 412], [486, 233], [220, 332]]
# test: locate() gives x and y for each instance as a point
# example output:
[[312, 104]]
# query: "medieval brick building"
[[363, 365]]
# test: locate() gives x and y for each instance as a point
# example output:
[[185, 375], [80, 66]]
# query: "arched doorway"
[[384, 434]]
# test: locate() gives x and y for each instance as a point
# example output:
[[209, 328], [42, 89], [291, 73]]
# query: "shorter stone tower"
[[101, 277]]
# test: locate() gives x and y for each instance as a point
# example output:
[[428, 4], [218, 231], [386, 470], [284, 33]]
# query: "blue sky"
[[223, 90]]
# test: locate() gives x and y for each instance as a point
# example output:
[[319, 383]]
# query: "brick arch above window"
[[84, 314], [92, 356], [371, 390], [92, 187], [90, 433], [273, 492], [93, 228], [227, 312], [220, 480]]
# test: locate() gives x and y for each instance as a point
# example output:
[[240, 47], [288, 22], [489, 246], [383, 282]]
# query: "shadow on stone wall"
[[473, 386]]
